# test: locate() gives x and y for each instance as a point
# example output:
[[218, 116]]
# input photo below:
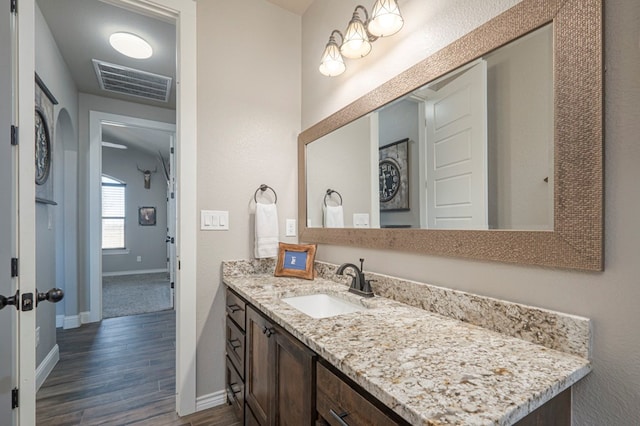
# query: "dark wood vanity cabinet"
[[273, 379], [280, 380], [235, 349], [338, 403]]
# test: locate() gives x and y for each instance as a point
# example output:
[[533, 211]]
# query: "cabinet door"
[[294, 402], [259, 372]]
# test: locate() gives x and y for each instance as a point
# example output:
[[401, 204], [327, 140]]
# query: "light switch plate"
[[361, 220], [291, 228], [214, 220]]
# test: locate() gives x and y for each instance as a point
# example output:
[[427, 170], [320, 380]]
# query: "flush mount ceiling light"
[[385, 20], [131, 45]]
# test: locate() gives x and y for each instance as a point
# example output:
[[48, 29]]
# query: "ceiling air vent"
[[129, 81]]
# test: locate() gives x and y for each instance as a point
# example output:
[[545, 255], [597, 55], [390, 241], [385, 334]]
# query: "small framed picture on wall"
[[147, 216]]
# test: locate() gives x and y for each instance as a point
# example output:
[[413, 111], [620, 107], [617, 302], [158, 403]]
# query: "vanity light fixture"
[[131, 45], [332, 63], [385, 20]]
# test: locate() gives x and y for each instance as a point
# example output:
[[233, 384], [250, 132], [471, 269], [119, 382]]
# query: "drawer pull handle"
[[268, 331], [339, 417], [235, 343], [234, 308], [232, 390]]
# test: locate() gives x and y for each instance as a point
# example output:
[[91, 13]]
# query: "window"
[[113, 192]]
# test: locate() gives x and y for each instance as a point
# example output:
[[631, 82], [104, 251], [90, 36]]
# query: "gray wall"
[[50, 236], [148, 242], [610, 394]]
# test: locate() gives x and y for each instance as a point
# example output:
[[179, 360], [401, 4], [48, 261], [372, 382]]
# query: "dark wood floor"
[[119, 372]]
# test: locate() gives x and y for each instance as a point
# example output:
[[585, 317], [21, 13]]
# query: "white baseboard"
[[212, 400], [46, 366], [72, 321], [141, 271]]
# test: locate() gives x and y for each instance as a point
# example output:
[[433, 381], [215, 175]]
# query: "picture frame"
[[147, 216], [296, 260], [393, 172]]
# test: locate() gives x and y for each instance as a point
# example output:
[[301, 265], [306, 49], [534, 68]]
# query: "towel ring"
[[328, 194], [263, 188]]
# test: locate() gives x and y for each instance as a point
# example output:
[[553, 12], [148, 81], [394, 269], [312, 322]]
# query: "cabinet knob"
[[268, 331]]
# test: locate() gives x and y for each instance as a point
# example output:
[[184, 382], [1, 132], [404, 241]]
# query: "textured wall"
[[248, 122], [610, 394]]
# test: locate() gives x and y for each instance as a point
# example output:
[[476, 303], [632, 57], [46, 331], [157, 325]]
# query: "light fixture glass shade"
[[386, 19], [332, 63], [131, 45], [356, 40]]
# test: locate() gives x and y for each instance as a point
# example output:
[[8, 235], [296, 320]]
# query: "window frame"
[[121, 184]]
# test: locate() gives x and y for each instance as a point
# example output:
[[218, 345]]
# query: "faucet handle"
[[367, 286]]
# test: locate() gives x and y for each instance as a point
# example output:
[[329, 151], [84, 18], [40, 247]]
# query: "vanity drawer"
[[338, 403], [236, 308], [235, 390], [235, 346]]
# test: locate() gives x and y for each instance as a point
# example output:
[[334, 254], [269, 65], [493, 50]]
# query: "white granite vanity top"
[[429, 368]]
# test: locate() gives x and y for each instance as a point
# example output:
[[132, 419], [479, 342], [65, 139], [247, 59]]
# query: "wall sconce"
[[385, 20]]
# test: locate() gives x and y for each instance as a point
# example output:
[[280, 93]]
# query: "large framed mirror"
[[491, 148]]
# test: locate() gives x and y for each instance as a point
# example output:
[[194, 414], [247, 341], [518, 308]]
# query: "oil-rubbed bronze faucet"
[[359, 285]]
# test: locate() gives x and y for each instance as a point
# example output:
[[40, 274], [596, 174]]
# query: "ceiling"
[[81, 29]]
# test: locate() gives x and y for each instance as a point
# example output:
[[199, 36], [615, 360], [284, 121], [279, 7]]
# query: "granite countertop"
[[429, 368]]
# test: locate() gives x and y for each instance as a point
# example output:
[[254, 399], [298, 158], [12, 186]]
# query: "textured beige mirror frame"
[[577, 239]]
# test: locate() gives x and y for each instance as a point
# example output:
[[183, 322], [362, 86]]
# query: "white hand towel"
[[333, 217], [266, 239]]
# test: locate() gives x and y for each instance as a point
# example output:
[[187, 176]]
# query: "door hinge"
[[14, 6], [14, 135], [178, 265], [27, 302], [172, 150], [172, 195], [173, 285], [14, 267], [15, 398]]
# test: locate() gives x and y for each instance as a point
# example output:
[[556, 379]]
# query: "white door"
[[8, 314], [171, 218], [456, 117]]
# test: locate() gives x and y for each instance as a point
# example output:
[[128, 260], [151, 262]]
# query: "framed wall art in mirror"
[[558, 220]]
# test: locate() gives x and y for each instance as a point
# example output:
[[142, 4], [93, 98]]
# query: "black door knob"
[[12, 300], [54, 296]]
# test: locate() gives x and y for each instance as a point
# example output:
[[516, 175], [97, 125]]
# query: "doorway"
[[137, 175], [182, 12]]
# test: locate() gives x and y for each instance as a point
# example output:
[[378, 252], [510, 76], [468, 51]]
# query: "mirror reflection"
[[470, 150]]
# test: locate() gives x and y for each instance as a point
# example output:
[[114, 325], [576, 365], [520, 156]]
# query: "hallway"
[[119, 372]]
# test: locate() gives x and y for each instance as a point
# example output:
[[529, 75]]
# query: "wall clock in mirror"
[[42, 148]]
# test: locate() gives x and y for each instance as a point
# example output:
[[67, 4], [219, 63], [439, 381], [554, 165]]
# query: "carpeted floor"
[[135, 294]]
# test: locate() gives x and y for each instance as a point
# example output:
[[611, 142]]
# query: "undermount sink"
[[322, 305]]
